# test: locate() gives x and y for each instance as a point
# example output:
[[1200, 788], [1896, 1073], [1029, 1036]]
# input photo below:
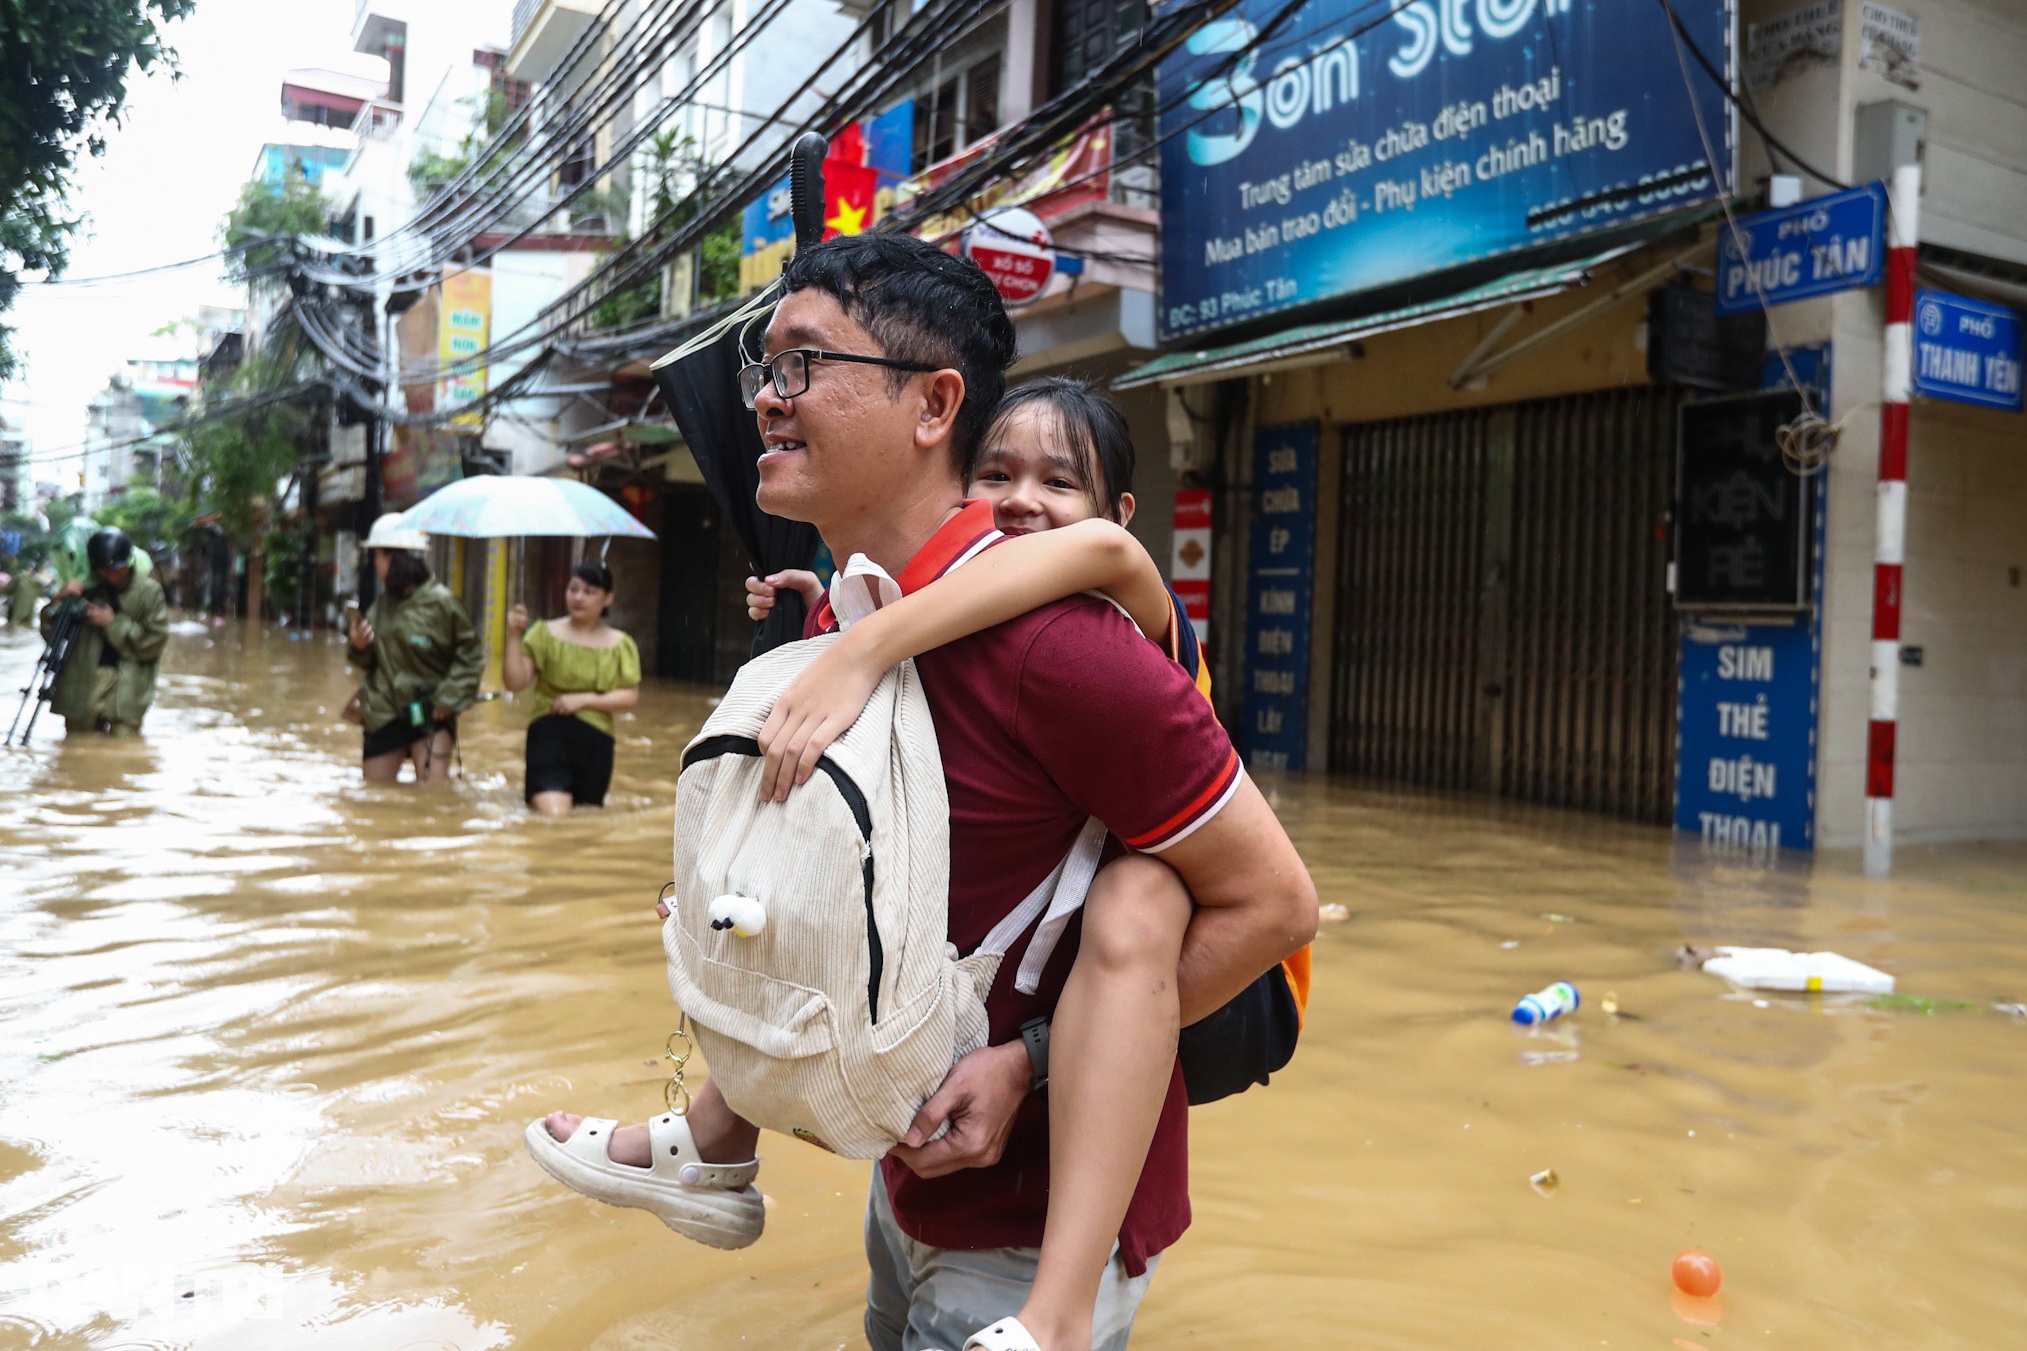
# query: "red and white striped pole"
[[1903, 204]]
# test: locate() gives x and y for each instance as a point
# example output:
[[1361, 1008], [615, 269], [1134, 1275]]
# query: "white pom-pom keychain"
[[743, 915]]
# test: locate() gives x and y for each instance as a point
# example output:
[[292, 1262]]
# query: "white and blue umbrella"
[[501, 506]]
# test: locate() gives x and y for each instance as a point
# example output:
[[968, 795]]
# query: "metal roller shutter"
[[1503, 623]]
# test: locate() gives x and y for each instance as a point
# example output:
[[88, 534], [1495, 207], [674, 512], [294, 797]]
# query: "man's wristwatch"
[[1035, 1036]]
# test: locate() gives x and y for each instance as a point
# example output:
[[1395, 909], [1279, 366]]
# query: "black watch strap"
[[1035, 1036]]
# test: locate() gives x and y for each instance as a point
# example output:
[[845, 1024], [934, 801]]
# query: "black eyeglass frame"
[[770, 373]]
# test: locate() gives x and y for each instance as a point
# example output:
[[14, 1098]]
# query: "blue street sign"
[[1276, 734], [1814, 248], [1745, 759], [1966, 350]]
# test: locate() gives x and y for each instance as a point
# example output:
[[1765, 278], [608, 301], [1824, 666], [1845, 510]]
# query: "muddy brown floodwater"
[[268, 1039]]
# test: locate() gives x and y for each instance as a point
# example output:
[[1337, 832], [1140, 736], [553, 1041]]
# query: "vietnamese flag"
[[848, 197]]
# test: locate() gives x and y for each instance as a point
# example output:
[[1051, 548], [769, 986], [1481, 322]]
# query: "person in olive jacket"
[[109, 681], [422, 660]]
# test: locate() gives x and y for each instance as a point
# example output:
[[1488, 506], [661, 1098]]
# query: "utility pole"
[[1890, 532]]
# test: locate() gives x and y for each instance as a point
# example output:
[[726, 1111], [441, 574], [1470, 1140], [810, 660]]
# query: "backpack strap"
[[859, 588], [1051, 903]]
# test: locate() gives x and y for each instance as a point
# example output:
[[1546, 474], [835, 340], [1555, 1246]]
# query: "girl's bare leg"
[[1112, 1045]]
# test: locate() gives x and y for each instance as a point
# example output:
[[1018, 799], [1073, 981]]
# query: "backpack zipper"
[[714, 747]]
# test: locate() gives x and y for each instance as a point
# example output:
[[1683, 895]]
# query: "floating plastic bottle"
[[1544, 1005]]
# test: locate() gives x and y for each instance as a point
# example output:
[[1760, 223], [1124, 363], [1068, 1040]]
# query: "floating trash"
[[1696, 1273], [1546, 1005], [1333, 913], [1915, 1003], [1545, 1182], [1779, 969]]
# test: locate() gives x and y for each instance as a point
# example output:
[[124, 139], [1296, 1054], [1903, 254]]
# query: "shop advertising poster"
[[1360, 147], [1280, 582], [1745, 761]]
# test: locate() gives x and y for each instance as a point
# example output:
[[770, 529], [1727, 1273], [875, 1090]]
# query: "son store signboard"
[[1360, 147]]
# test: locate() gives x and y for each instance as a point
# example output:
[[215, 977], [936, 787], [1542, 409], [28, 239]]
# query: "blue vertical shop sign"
[[1827, 244], [1966, 350], [1281, 581], [1745, 758], [1362, 145]]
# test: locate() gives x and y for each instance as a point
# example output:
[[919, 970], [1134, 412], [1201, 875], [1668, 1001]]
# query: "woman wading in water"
[[584, 671]]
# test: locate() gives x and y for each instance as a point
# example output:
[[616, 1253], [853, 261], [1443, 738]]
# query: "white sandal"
[[1008, 1334], [714, 1203]]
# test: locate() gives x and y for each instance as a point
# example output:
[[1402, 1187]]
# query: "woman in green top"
[[583, 671], [422, 660]]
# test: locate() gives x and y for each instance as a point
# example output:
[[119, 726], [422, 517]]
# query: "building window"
[[963, 111], [981, 100], [578, 167], [1086, 33]]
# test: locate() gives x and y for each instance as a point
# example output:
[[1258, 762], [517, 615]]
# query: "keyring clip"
[[674, 1093]]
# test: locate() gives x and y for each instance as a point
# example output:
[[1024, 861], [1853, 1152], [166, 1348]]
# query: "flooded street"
[[269, 1038]]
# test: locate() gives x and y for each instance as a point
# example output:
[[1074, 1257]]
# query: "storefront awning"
[[1303, 344]]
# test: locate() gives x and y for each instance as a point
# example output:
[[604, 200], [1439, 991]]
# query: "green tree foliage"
[[673, 162], [483, 146], [150, 519], [291, 207], [281, 567], [429, 172], [63, 82], [231, 466]]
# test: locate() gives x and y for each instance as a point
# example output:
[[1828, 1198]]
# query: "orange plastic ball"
[[1696, 1273]]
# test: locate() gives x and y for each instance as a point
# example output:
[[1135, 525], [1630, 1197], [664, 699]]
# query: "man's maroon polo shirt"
[[1061, 715]]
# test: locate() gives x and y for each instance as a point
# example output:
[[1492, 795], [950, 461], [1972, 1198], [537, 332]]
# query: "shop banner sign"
[[1280, 581], [464, 329], [1360, 147], [1827, 244], [1966, 350], [1745, 764]]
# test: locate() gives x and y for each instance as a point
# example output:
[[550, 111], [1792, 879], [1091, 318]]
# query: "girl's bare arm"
[[1000, 584]]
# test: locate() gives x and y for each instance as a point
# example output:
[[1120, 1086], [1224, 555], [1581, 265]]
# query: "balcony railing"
[[524, 14], [377, 119]]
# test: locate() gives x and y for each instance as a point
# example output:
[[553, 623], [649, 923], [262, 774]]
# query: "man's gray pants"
[[930, 1299]]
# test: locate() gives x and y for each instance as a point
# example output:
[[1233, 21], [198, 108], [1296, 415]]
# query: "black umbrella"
[[702, 391]]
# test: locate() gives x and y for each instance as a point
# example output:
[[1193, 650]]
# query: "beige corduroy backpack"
[[807, 941]]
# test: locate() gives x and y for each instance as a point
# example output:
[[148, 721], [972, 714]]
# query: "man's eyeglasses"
[[788, 371]]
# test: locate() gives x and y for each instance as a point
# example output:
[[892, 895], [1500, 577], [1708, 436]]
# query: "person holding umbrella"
[[584, 671], [421, 656]]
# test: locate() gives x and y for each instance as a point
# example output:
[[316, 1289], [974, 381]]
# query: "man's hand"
[[98, 616], [361, 636], [69, 589], [979, 1098]]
